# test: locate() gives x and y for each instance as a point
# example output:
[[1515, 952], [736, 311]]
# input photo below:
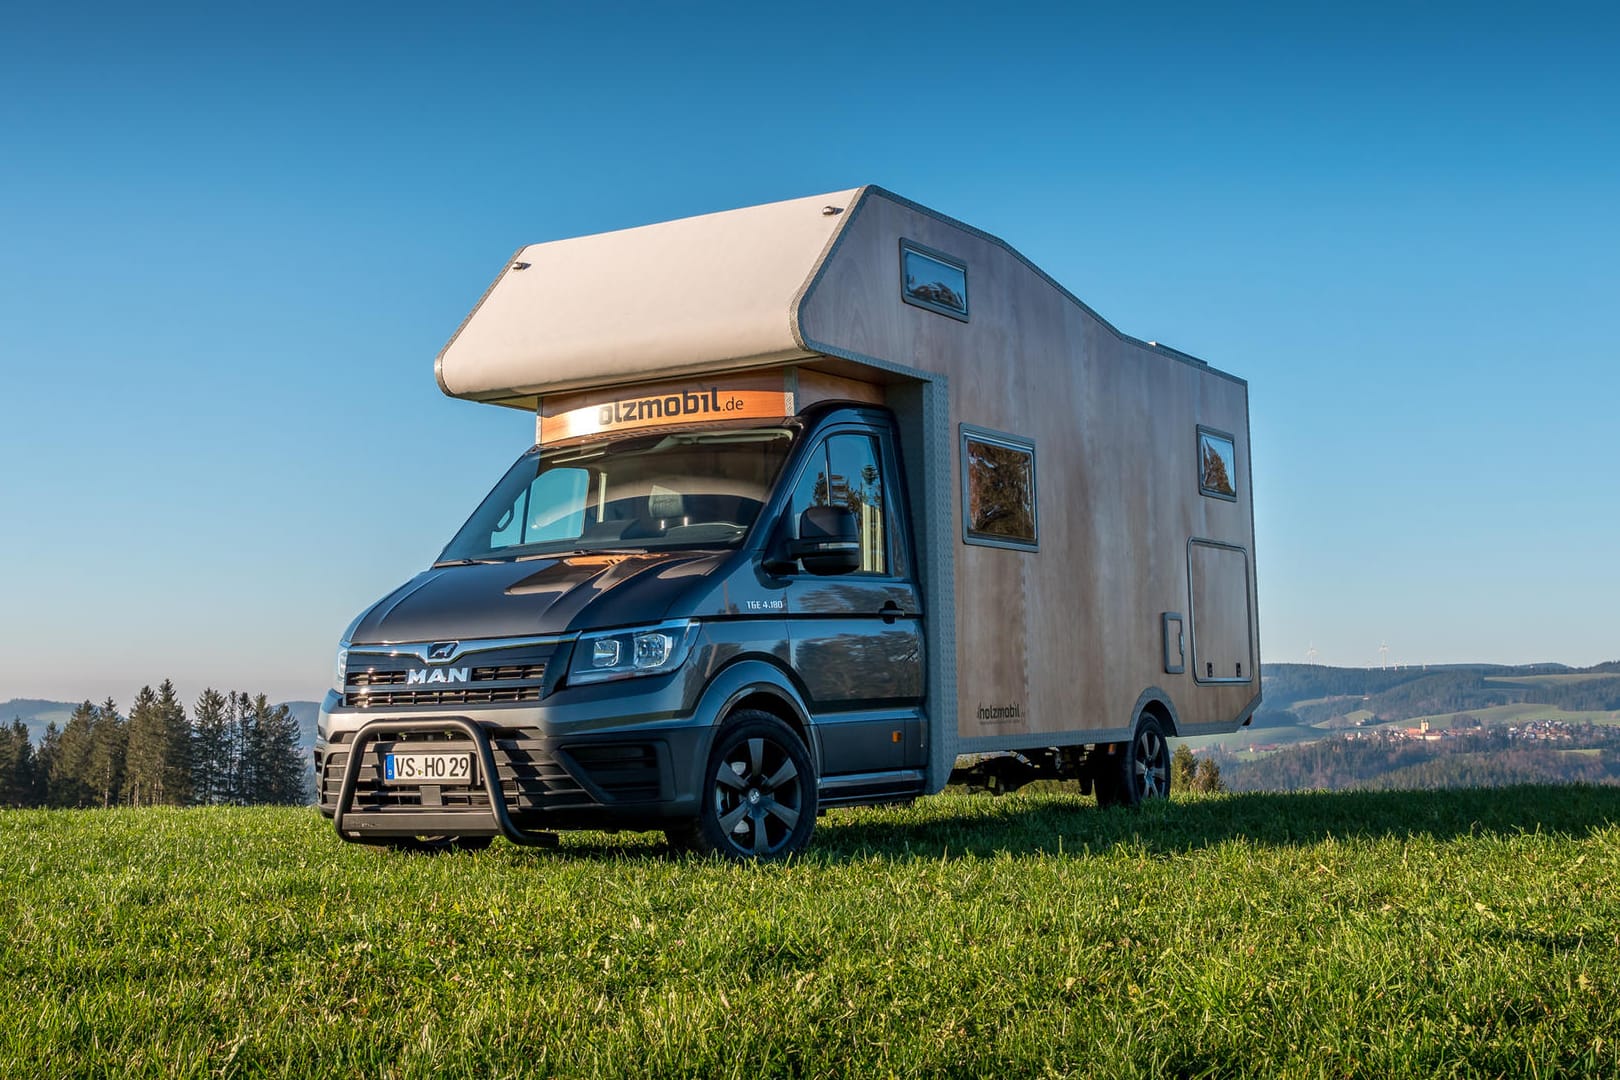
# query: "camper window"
[[998, 490], [933, 280], [1217, 464]]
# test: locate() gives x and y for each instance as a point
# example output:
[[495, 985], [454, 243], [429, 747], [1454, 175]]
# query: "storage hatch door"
[[1218, 577]]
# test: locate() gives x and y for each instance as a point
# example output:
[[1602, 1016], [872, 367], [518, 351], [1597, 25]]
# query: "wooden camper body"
[[1141, 588]]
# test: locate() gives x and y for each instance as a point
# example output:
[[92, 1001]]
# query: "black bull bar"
[[381, 826]]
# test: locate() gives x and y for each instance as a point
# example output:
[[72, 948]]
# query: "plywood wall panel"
[[1069, 636]]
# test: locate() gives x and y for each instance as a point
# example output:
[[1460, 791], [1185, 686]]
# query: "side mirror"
[[829, 541]]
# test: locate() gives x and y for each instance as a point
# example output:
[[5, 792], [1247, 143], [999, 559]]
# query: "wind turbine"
[[1383, 656]]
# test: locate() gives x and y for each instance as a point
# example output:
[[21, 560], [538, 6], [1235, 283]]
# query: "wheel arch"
[[1157, 704], [759, 684]]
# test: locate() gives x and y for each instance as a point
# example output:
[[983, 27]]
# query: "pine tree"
[[50, 749], [280, 772], [244, 751], [174, 781], [69, 777], [108, 741], [210, 749], [16, 765], [1208, 778], [143, 765], [1183, 766]]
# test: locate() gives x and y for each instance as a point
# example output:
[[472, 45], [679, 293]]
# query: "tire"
[[437, 845], [758, 797], [1137, 771]]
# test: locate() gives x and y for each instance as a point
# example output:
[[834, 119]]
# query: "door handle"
[[890, 611]]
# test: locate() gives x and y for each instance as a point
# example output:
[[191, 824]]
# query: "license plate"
[[418, 768]]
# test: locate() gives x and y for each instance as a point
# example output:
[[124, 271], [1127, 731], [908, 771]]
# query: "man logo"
[[421, 676], [443, 650]]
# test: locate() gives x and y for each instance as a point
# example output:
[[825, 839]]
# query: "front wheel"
[[1138, 770], [759, 792]]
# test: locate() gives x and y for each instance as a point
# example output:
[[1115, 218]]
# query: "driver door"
[[856, 638]]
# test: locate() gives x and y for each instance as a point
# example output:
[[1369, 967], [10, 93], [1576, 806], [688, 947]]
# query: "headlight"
[[340, 670], [624, 654]]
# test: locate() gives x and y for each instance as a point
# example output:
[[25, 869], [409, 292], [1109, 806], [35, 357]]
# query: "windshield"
[[661, 491]]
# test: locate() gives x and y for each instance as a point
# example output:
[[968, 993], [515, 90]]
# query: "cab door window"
[[845, 470]]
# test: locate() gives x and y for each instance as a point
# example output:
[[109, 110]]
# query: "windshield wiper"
[[584, 551], [469, 562]]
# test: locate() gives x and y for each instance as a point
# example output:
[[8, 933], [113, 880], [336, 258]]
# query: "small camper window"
[[933, 280], [998, 490], [1217, 465]]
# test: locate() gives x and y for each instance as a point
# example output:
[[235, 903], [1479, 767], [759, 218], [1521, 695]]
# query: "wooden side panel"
[[1066, 638], [816, 386]]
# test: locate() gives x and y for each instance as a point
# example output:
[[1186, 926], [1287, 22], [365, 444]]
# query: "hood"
[[536, 596]]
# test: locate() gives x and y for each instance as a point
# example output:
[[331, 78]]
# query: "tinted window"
[[998, 480], [1217, 460], [845, 471], [550, 508], [687, 489]]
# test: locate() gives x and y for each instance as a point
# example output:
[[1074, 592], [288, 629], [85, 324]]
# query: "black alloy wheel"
[[759, 795], [1138, 770]]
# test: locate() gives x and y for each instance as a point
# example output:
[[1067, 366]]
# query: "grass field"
[[1550, 680], [1450, 933]]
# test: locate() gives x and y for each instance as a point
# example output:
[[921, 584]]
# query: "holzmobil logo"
[[658, 406], [669, 407], [419, 676]]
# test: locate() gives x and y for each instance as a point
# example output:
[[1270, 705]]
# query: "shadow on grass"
[[1268, 819], [980, 825]]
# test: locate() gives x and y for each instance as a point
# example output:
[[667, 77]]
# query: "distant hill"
[[1543, 752], [36, 714], [1304, 703], [1317, 693]]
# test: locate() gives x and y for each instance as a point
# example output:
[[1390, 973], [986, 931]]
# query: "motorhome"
[[830, 501]]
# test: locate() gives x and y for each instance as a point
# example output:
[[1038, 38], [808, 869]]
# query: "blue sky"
[[231, 242]]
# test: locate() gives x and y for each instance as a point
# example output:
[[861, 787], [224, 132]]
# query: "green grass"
[[1365, 934]]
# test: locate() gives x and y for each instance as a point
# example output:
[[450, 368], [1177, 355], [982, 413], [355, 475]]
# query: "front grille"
[[528, 672], [385, 682], [509, 671], [495, 695]]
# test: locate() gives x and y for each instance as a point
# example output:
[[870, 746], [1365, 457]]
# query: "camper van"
[[831, 502]]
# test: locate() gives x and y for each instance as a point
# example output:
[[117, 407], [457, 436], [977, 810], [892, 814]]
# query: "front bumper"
[[565, 764]]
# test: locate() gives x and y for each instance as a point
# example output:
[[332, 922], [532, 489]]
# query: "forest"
[[230, 749]]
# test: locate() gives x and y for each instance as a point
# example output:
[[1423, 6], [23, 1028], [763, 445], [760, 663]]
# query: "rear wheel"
[[1138, 770], [759, 793]]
